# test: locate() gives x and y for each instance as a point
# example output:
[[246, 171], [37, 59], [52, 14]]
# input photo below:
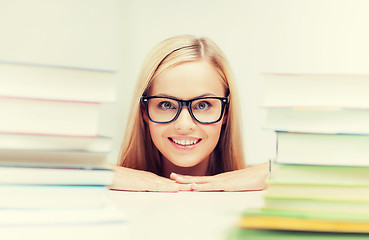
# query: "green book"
[[248, 234], [320, 174], [355, 206], [306, 214]]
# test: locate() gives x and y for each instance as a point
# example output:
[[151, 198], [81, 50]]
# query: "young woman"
[[184, 128]]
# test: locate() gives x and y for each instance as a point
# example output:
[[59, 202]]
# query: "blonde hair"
[[138, 151]]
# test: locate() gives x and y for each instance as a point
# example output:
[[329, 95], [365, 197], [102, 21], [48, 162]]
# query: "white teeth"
[[185, 142]]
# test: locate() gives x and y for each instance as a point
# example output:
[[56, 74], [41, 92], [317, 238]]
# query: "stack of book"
[[319, 184], [58, 66], [54, 168]]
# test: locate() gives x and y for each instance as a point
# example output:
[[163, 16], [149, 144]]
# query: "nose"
[[184, 122]]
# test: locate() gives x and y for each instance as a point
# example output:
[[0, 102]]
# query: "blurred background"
[[257, 36]]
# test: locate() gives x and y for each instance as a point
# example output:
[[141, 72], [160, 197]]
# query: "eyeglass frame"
[[187, 103]]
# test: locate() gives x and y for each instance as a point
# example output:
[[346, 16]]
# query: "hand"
[[248, 179], [136, 180]]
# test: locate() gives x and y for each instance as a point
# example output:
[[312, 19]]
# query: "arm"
[[136, 180], [248, 179]]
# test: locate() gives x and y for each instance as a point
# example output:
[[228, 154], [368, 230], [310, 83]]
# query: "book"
[[56, 176], [317, 120], [328, 182], [60, 34], [318, 187], [55, 142], [57, 83], [322, 149], [304, 221], [19, 115], [319, 174], [104, 222], [247, 234], [106, 212], [43, 197], [316, 90], [265, 224], [48, 158], [298, 189], [343, 206], [112, 230], [56, 71]]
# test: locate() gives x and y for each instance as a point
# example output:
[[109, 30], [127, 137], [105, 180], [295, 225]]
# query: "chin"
[[185, 165], [185, 162]]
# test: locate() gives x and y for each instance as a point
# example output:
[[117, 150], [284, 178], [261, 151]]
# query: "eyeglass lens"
[[204, 110]]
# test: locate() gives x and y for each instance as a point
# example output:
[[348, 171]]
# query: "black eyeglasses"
[[205, 110]]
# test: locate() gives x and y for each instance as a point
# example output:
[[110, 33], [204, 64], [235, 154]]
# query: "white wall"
[[315, 36]]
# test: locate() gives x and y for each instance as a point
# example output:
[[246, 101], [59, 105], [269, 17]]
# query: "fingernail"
[[173, 175]]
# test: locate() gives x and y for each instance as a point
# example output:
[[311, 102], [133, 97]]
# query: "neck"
[[200, 169]]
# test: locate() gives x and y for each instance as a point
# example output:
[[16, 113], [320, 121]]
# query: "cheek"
[[213, 131], [156, 132], [154, 129]]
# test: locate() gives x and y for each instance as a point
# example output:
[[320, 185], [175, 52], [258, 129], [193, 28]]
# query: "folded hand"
[[248, 179]]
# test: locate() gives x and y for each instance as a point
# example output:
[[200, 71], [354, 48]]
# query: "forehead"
[[189, 80]]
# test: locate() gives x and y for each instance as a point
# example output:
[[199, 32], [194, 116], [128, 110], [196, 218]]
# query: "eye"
[[165, 105], [203, 105]]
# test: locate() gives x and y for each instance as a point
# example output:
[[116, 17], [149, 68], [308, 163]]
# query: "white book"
[[43, 158], [90, 231], [318, 120], [318, 190], [56, 176], [49, 117], [57, 83], [55, 142], [80, 34], [322, 149], [314, 90], [99, 223], [105, 212], [20, 197]]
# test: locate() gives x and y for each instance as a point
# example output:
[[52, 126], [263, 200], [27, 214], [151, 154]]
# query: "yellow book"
[[304, 221]]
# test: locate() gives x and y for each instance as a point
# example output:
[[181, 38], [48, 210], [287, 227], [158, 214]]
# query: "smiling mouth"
[[185, 142]]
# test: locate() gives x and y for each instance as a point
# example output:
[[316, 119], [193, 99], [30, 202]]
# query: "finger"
[[160, 185], [185, 187], [189, 179], [163, 186], [216, 187], [146, 188], [173, 176], [207, 187]]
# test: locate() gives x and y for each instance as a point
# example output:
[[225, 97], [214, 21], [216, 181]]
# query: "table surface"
[[183, 215]]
